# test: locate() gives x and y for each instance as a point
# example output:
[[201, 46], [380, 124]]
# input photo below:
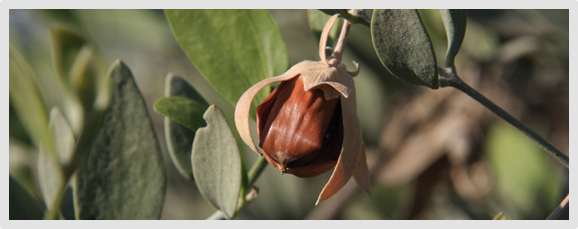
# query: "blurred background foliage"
[[433, 154]]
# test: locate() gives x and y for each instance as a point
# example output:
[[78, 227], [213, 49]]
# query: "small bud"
[[309, 123]]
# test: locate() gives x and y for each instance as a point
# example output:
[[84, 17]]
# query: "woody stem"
[[561, 207], [448, 77]]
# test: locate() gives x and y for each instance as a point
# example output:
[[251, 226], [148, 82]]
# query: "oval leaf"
[[124, 175], [80, 72], [66, 45], [50, 177], [182, 110], [404, 47], [217, 163], [455, 21], [180, 138], [50, 173], [64, 137], [177, 86], [233, 49]]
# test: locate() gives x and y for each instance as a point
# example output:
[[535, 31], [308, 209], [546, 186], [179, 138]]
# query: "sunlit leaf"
[[233, 49], [455, 21], [217, 163], [124, 175], [404, 47]]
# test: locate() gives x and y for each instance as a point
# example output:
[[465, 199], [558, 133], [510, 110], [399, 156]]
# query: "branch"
[[448, 77], [353, 16], [556, 213]]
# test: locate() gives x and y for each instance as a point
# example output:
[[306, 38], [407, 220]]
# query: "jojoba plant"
[[99, 156]]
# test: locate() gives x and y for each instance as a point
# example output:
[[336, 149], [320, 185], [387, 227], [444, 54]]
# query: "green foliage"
[[50, 171], [22, 204], [404, 47], [66, 47], [233, 49], [99, 156], [455, 22], [124, 175], [217, 164], [524, 175], [26, 98], [82, 82], [15, 129], [182, 110], [189, 111]]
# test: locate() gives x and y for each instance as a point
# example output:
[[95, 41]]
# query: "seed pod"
[[309, 123]]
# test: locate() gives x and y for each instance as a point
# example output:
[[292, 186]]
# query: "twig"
[[556, 213], [448, 77], [353, 16]]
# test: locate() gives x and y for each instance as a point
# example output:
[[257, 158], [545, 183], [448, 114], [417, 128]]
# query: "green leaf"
[[124, 175], [501, 216], [22, 205], [66, 44], [317, 21], [217, 163], [50, 173], [180, 138], [16, 129], [83, 76], [455, 23], [50, 177], [182, 110], [26, 98], [177, 86], [233, 49], [80, 71], [64, 137], [404, 47]]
